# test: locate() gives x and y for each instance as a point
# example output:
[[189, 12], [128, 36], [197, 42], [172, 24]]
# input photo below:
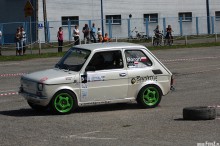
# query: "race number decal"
[[84, 90]]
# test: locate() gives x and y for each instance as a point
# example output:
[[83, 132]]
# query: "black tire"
[[154, 43], [165, 42], [63, 102], [37, 107], [149, 96], [199, 113]]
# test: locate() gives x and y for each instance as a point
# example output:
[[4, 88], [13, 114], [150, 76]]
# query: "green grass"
[[30, 56], [47, 55]]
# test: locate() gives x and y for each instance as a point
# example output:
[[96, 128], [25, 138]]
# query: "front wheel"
[[63, 102], [149, 96]]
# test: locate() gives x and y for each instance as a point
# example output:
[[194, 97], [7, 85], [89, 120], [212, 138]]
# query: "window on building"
[[114, 19], [217, 15], [152, 18], [186, 16], [74, 20]]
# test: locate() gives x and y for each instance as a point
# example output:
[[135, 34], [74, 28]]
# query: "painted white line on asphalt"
[[86, 137], [96, 138], [91, 132]]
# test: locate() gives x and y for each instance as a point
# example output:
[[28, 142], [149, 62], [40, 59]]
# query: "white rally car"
[[101, 73]]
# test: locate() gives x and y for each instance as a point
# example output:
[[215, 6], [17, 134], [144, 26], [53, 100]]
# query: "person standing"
[[99, 33], [60, 39], [18, 37], [23, 40], [76, 35], [86, 33], [93, 33], [0, 42], [157, 31], [169, 36]]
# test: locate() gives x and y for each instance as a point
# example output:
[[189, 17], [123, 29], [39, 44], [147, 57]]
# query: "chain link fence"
[[132, 28]]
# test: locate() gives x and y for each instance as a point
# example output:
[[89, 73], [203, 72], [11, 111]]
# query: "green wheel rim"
[[63, 102], [150, 96]]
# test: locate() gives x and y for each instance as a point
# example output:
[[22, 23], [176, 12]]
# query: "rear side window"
[[137, 59]]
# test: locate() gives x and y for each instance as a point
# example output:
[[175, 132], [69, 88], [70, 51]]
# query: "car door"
[[105, 77]]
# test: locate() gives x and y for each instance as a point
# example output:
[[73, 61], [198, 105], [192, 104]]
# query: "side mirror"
[[84, 78]]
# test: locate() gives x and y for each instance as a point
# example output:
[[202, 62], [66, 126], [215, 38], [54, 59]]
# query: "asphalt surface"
[[197, 80]]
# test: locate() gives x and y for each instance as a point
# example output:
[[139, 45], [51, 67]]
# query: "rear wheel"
[[149, 96], [63, 102]]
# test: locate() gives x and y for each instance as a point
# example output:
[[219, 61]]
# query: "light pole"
[[102, 18], [208, 16], [45, 19]]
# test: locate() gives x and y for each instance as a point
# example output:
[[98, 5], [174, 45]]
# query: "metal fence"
[[124, 29]]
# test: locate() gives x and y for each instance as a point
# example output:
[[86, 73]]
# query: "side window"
[[137, 59], [106, 60]]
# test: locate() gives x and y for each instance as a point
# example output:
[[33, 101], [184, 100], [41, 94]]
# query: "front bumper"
[[34, 98]]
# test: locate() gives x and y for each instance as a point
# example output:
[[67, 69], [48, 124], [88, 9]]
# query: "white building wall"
[[91, 10]]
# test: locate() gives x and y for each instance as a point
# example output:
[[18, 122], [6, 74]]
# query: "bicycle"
[[168, 40], [157, 39], [138, 35]]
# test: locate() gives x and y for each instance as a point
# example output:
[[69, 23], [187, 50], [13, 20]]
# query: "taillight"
[[172, 80], [172, 83]]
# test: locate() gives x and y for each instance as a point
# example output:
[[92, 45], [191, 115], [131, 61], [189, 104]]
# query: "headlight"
[[40, 86]]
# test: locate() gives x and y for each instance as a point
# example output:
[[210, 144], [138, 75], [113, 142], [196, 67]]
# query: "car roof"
[[97, 46]]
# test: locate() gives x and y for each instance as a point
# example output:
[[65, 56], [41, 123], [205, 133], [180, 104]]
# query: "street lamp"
[[102, 18], [208, 16]]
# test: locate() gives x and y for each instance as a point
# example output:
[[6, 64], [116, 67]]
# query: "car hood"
[[52, 76]]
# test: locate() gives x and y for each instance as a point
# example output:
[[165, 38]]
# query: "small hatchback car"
[[94, 74]]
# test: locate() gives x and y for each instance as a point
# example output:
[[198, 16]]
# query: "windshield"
[[74, 59]]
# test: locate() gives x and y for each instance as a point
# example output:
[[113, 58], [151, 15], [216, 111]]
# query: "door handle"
[[157, 71], [122, 74]]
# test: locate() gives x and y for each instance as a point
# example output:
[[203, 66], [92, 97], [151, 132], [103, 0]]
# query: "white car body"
[[103, 86]]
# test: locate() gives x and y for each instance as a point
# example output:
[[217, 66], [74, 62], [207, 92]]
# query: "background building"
[[188, 17]]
